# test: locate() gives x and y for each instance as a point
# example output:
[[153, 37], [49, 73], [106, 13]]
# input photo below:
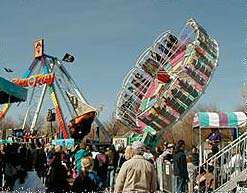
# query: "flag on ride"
[[68, 58]]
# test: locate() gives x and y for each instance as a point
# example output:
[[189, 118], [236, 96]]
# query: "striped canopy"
[[10, 92], [219, 120]]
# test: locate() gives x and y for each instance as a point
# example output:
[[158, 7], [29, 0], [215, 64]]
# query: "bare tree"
[[6, 126], [41, 125], [183, 128]]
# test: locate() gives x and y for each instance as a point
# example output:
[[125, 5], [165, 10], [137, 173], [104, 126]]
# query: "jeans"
[[110, 176], [181, 184]]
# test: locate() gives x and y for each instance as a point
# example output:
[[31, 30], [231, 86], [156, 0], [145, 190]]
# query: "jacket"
[[195, 159], [79, 155], [136, 175], [56, 180], [180, 164], [86, 183]]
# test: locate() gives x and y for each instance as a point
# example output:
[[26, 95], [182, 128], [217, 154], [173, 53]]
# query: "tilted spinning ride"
[[47, 74], [167, 80]]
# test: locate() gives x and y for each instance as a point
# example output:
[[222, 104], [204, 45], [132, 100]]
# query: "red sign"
[[38, 48], [36, 80]]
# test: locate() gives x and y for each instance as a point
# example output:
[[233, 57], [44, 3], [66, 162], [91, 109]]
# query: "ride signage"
[[38, 48], [119, 142], [36, 80]]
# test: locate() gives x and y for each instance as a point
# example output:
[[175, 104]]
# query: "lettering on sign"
[[38, 48], [119, 142], [36, 80]]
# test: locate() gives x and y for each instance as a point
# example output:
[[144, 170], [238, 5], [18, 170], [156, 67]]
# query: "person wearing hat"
[[136, 174]]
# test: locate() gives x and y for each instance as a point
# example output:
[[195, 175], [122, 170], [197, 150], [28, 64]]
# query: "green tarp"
[[10, 93]]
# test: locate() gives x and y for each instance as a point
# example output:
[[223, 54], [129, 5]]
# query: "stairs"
[[231, 184], [230, 165]]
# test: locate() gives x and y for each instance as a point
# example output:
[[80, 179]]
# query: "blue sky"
[[106, 37]]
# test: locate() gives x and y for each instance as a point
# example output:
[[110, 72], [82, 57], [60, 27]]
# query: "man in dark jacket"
[[180, 167], [39, 160]]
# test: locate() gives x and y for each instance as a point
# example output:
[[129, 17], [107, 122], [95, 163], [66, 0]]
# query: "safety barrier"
[[230, 164], [165, 177]]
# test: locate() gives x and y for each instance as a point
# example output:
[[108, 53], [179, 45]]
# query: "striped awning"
[[10, 92], [219, 120]]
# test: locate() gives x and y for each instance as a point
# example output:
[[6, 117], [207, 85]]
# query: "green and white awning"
[[219, 120], [9, 92]]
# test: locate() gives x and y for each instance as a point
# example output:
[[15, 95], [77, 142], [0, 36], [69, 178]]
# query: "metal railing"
[[166, 180], [165, 176], [228, 163]]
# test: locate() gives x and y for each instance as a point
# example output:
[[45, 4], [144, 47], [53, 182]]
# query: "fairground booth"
[[223, 127]]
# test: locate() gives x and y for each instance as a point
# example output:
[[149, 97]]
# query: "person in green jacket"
[[79, 155]]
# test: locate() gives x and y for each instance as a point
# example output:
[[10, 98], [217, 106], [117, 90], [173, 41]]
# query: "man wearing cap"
[[136, 174]]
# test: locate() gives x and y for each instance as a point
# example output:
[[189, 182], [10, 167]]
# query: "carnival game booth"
[[227, 123]]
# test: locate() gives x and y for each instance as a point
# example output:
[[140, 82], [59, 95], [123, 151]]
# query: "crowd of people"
[[41, 167], [188, 176], [46, 168]]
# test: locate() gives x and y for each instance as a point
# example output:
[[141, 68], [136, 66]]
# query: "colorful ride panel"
[[35, 80]]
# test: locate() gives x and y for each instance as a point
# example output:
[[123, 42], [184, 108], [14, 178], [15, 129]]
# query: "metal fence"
[[228, 164], [165, 177]]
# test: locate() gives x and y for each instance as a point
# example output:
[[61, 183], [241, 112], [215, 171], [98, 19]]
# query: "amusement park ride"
[[165, 83], [167, 80], [47, 74]]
